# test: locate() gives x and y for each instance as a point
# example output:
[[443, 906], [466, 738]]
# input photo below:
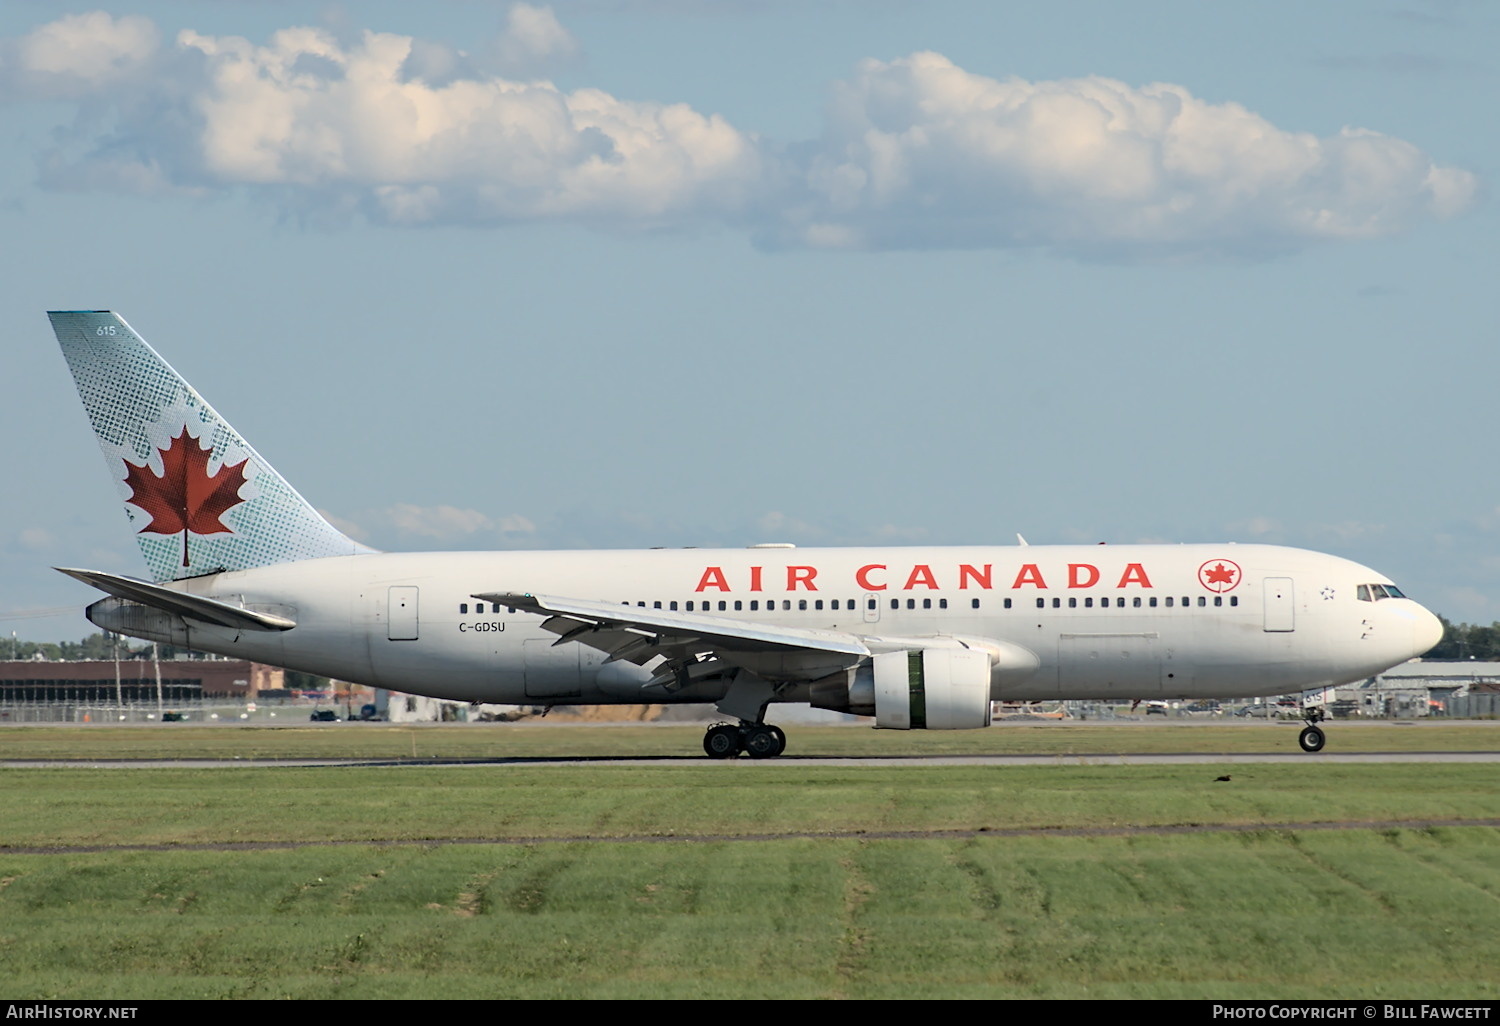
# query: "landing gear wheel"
[[780, 739], [722, 742], [761, 741], [1311, 739]]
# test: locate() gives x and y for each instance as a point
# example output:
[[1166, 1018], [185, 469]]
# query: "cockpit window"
[[1376, 592], [1393, 591], [1363, 592]]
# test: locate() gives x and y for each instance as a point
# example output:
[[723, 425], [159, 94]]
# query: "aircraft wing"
[[640, 635]]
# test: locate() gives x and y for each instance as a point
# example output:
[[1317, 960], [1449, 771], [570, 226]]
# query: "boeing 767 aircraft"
[[918, 638]]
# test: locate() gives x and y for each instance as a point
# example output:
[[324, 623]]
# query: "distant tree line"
[[95, 646], [1467, 641]]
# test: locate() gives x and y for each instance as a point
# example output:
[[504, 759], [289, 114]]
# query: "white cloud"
[[78, 56], [515, 524], [777, 523], [919, 152], [915, 153], [451, 523], [37, 538], [309, 115], [441, 522], [351, 528], [533, 40]]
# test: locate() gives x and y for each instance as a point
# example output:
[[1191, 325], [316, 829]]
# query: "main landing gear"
[[758, 740], [1311, 739]]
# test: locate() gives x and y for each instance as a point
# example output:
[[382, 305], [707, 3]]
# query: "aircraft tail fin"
[[201, 499]]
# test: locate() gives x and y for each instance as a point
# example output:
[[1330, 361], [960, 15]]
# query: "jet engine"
[[913, 689]]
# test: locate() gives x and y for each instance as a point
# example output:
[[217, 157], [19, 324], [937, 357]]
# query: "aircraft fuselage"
[[1104, 622]]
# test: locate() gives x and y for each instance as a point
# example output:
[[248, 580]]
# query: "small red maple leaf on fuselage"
[[1220, 574], [185, 496]]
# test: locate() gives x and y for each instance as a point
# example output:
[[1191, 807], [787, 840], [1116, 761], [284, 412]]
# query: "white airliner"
[[918, 638]]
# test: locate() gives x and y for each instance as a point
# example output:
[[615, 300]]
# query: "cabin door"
[[401, 613], [1281, 613]]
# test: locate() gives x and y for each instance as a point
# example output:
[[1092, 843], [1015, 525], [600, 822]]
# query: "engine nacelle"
[[914, 689], [932, 689]]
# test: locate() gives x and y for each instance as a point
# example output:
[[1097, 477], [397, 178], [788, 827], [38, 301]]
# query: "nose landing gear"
[[758, 740], [1311, 739]]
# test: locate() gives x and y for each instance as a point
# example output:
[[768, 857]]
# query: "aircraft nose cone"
[[1426, 632]]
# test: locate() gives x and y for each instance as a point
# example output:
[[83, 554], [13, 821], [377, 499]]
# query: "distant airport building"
[[1453, 688], [31, 682]]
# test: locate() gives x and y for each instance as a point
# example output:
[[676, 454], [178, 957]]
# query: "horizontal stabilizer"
[[196, 606]]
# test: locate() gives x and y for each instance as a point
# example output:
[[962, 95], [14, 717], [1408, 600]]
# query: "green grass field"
[[744, 879], [546, 741]]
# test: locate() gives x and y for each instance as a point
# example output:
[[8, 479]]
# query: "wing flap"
[[673, 629]]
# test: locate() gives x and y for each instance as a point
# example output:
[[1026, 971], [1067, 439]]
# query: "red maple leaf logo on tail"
[[186, 497]]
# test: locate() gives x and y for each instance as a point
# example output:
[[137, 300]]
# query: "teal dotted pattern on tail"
[[137, 404]]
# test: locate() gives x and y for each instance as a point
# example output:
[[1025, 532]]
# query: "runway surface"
[[1110, 759]]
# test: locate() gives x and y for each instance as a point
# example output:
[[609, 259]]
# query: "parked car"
[[324, 716]]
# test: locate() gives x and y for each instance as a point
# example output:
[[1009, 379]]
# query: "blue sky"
[[612, 274]]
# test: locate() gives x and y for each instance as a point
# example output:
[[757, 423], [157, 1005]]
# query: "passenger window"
[[870, 604], [802, 604], [690, 606], [1007, 603], [1218, 600], [1057, 603], [911, 603], [927, 603], [1153, 601], [723, 605], [1234, 600], [674, 606], [1202, 601], [1073, 602], [895, 603], [942, 603], [463, 607], [1088, 603], [755, 605], [818, 604], [1136, 602], [1041, 603], [656, 605], [738, 605]]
